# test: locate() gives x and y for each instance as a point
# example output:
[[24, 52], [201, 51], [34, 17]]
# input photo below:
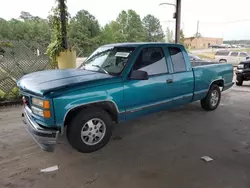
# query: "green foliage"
[[153, 29], [84, 31], [6, 44], [131, 26], [56, 45], [111, 33], [29, 30], [237, 42], [13, 94]]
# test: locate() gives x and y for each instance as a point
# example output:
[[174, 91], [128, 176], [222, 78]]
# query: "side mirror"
[[138, 75], [247, 57]]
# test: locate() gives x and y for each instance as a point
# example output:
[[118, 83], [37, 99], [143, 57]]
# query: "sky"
[[228, 19]]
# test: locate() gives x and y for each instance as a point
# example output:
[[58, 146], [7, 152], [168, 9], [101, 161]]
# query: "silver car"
[[225, 56]]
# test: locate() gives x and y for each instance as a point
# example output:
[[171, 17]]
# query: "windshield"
[[109, 60]]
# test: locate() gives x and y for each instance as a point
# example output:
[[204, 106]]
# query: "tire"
[[223, 61], [239, 80], [210, 102], [81, 131]]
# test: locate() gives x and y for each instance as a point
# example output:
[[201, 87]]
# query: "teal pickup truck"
[[118, 82]]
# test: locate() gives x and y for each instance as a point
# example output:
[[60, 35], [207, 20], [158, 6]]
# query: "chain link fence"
[[18, 58]]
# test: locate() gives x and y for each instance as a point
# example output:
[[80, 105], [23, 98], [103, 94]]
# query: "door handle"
[[169, 81]]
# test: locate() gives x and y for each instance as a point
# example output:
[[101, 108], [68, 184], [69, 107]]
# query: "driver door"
[[146, 96]]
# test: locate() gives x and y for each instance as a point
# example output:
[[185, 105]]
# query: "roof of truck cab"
[[136, 44]]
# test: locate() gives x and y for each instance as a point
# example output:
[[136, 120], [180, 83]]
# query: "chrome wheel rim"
[[93, 131], [214, 98]]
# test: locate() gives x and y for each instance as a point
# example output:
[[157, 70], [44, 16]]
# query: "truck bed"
[[201, 63], [206, 73]]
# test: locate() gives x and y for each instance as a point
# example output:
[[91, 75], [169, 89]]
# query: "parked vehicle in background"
[[195, 58], [118, 82], [243, 72], [233, 57], [235, 46]]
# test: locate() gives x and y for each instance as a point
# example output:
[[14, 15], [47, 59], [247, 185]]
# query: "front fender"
[[71, 100]]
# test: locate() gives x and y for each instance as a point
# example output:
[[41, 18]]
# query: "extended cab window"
[[151, 60], [177, 58]]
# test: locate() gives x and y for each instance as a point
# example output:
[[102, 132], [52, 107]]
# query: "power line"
[[229, 22]]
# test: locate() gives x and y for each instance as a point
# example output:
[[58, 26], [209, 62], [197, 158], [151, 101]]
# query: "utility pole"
[[177, 17], [197, 31], [178, 21]]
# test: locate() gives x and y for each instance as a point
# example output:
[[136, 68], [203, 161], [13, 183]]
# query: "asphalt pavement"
[[161, 150]]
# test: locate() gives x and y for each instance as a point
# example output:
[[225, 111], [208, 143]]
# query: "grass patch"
[[208, 55], [240, 50], [1, 94], [12, 95]]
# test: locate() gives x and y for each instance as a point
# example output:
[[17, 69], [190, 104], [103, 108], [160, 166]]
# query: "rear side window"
[[151, 60], [222, 53], [234, 54], [243, 54], [177, 58]]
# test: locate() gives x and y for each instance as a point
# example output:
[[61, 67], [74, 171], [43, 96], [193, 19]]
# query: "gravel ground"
[[160, 150]]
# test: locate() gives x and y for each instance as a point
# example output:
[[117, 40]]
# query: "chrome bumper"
[[45, 138]]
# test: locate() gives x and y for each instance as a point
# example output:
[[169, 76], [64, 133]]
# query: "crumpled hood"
[[45, 81]]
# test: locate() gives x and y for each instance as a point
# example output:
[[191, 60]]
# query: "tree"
[[85, 32], [153, 29], [4, 29], [169, 35], [111, 33], [131, 26], [26, 16]]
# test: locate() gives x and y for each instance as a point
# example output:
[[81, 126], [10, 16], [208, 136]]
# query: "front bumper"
[[45, 138], [244, 75]]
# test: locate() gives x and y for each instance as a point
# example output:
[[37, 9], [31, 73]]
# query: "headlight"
[[40, 103], [40, 112], [241, 66], [240, 71]]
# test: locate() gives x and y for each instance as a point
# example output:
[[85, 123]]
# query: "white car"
[[225, 56]]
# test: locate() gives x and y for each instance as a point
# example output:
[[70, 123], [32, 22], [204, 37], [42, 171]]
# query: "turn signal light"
[[46, 104], [46, 114]]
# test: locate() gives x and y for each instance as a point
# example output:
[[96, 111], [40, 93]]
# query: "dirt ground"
[[162, 150]]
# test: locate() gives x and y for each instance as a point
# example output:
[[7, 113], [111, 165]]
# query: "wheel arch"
[[107, 105], [218, 82], [222, 60]]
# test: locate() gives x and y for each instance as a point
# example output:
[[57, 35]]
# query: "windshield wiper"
[[98, 66]]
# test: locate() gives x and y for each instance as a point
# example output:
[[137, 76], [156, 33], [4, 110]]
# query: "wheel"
[[90, 130], [223, 61], [212, 100], [239, 80]]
